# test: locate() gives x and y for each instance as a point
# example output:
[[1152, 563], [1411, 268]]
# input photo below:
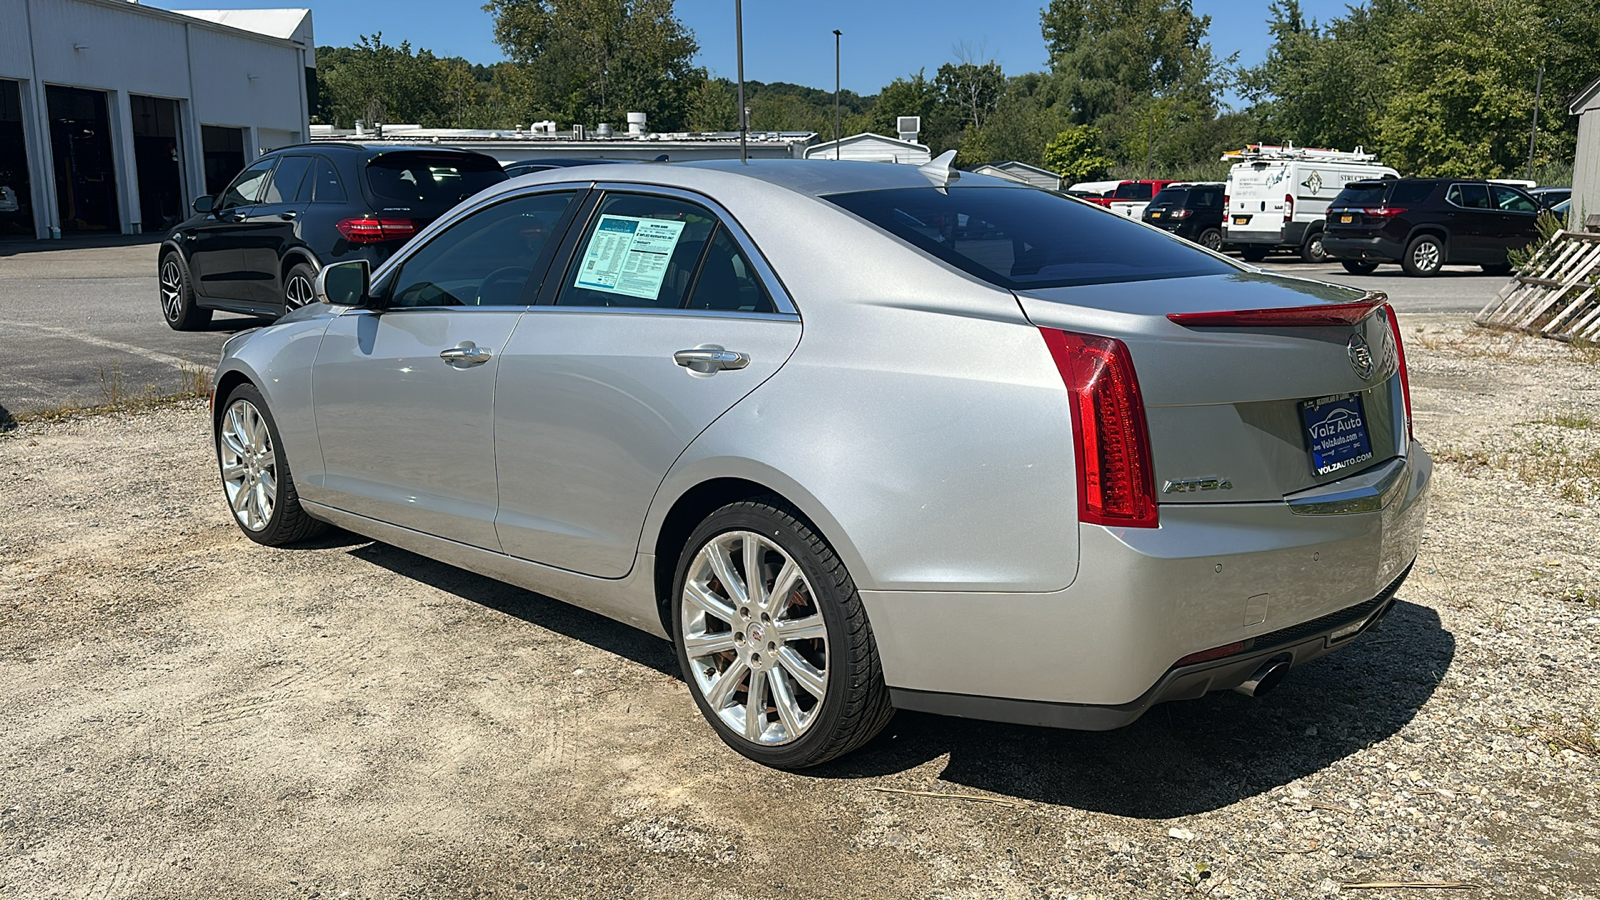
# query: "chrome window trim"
[[654, 311], [1455, 186], [391, 265], [769, 278]]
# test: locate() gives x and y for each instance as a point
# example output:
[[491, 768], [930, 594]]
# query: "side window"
[[486, 259], [285, 182], [1513, 200], [326, 185], [1207, 198], [1469, 196], [246, 188], [638, 251], [727, 281], [1410, 194]]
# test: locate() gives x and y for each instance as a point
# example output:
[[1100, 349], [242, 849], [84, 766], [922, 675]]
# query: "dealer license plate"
[[1346, 220], [1336, 431]]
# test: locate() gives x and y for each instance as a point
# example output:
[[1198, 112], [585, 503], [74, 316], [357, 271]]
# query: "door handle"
[[710, 359], [288, 216], [466, 354]]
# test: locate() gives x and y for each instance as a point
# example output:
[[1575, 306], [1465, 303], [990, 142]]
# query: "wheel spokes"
[[722, 566], [755, 705]]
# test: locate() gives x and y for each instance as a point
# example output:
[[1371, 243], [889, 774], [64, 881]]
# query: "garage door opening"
[[224, 149], [158, 156], [16, 200], [80, 139]]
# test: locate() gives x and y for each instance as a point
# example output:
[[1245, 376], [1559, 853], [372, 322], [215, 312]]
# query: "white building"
[[543, 141], [869, 147], [115, 115], [1021, 171], [1586, 164]]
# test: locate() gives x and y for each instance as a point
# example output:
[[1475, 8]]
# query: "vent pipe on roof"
[[636, 121]]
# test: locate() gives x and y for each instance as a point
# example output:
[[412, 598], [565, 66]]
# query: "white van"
[[1278, 196]]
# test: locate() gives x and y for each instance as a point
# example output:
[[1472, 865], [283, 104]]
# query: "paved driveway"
[[73, 318]]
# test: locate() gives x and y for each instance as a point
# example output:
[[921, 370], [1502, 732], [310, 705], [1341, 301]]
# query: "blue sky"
[[792, 41]]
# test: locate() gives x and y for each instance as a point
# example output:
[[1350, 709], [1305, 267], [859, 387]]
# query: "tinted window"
[[1512, 200], [1022, 239], [1360, 195], [1134, 190], [285, 182], [1410, 194], [484, 259], [1171, 197], [327, 187], [727, 281], [638, 251], [1470, 196], [247, 187], [1205, 198], [433, 178]]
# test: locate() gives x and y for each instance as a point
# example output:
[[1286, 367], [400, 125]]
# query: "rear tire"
[[299, 287], [1424, 257], [1311, 249], [1211, 239], [1253, 252], [177, 294], [255, 473], [1357, 267], [787, 674]]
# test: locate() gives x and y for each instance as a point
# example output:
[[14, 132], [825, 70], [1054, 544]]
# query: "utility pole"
[[836, 34], [738, 39], [1538, 86]]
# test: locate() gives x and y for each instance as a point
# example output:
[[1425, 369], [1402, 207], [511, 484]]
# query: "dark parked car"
[[1189, 210], [1426, 223], [1548, 197], [524, 166], [256, 248]]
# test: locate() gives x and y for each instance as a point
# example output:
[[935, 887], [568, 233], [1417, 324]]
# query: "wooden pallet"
[[1555, 294]]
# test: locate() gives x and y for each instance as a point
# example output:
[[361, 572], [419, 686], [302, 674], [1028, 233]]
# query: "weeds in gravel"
[[1580, 736], [194, 384], [1585, 351], [1574, 474], [1570, 420]]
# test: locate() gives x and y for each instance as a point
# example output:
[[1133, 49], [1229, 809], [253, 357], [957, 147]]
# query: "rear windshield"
[[1134, 190], [443, 179], [1021, 239], [1172, 196], [1361, 195]]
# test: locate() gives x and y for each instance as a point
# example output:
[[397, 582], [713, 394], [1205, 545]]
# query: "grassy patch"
[[1570, 420], [1574, 474], [116, 397]]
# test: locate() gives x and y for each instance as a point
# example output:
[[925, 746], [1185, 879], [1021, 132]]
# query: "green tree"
[[378, 82], [593, 61], [913, 96], [1075, 155], [1106, 54], [974, 91]]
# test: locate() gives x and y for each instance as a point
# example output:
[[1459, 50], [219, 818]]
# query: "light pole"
[[738, 40], [1538, 86], [836, 34]]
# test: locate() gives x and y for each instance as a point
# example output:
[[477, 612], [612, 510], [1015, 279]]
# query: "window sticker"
[[629, 256]]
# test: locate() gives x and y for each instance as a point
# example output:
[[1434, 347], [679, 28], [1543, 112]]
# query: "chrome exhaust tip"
[[1265, 679]]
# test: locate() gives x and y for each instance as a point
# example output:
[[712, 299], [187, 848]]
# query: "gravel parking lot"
[[186, 714]]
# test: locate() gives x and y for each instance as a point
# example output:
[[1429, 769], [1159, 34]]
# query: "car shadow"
[[1179, 759], [536, 609]]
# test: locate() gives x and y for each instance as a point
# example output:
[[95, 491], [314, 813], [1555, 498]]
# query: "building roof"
[[1015, 166], [1588, 98], [865, 137], [279, 23]]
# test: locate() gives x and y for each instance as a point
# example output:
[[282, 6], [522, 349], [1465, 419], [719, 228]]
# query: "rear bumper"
[[1102, 651], [1375, 249], [1290, 235]]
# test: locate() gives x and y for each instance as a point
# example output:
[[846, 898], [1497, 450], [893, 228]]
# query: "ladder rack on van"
[[1267, 152]]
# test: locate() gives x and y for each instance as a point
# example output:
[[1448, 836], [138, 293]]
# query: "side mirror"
[[345, 284], [203, 204]]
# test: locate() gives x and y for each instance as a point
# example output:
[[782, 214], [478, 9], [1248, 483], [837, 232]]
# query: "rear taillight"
[[1405, 376], [1181, 213], [1383, 212], [1288, 317], [1225, 199], [1288, 207], [371, 230], [1116, 482]]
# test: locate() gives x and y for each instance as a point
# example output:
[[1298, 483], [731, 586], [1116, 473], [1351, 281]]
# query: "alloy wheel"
[[1425, 256], [297, 293], [755, 637], [171, 289], [249, 465]]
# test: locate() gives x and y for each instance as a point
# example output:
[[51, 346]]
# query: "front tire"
[[255, 474], [1357, 267], [1253, 252], [773, 639], [177, 294], [299, 287], [1424, 257]]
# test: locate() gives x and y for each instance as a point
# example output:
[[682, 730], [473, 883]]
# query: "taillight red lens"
[[1326, 314], [1405, 375], [1182, 213], [1213, 653], [370, 230], [1288, 207], [1116, 482]]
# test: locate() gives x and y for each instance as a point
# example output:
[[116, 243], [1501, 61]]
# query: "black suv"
[[256, 248], [1427, 223], [1191, 210]]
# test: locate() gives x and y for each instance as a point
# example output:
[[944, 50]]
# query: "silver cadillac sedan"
[[855, 437]]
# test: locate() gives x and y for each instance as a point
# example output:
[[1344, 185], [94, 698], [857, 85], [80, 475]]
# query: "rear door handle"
[[710, 359], [287, 216], [466, 354]]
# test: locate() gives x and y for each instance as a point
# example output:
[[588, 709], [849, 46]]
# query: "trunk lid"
[[1236, 404]]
